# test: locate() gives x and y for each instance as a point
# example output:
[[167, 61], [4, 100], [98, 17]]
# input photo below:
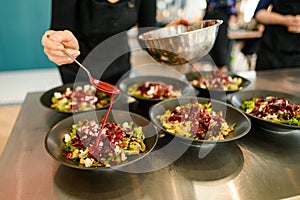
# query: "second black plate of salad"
[[153, 89], [212, 84], [198, 120], [75, 98]]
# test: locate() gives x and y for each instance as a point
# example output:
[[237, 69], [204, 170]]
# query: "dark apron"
[[93, 22], [280, 48], [220, 50]]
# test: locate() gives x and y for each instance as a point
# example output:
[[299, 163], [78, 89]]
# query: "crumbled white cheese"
[[117, 149], [83, 153], [123, 156], [94, 100], [68, 92], [86, 87], [90, 99], [67, 138], [269, 116], [261, 107], [93, 88], [57, 95], [93, 123], [103, 131], [82, 129], [125, 125], [151, 91], [78, 88], [84, 137], [88, 162]]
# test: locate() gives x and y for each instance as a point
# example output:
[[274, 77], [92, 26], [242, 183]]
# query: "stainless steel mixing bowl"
[[180, 44]]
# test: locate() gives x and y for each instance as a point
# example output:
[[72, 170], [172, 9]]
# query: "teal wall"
[[23, 23]]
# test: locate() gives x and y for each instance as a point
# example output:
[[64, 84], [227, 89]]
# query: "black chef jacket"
[[280, 48], [101, 23]]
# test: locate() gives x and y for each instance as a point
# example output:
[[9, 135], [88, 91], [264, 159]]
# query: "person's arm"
[[267, 17], [179, 21]]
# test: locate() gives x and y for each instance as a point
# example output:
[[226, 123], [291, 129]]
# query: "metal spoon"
[[100, 85]]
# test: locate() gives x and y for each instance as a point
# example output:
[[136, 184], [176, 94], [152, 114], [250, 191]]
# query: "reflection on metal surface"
[[69, 183], [225, 161], [233, 191], [279, 131], [261, 165], [291, 176], [297, 197], [221, 165]]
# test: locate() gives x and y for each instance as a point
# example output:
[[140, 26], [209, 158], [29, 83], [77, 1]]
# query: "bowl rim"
[[141, 36]]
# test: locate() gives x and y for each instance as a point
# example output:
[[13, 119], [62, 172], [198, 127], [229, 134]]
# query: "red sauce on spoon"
[[105, 87]]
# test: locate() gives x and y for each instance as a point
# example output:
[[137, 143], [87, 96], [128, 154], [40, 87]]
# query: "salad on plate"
[[274, 109], [116, 143], [196, 121], [157, 90], [218, 81], [81, 98]]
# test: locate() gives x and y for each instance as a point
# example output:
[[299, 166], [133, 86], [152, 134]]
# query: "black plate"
[[46, 97], [214, 93], [185, 87], [231, 115], [238, 98], [54, 139]]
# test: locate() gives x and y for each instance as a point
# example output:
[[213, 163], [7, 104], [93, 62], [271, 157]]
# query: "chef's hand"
[[55, 41], [293, 23], [178, 22]]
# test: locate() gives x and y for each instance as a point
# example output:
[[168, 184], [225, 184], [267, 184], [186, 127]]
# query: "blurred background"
[[168, 10], [24, 66]]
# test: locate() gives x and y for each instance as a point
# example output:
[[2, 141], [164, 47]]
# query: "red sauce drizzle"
[[111, 90]]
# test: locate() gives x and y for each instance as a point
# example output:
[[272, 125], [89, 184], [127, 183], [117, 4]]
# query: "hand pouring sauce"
[[106, 88], [101, 86]]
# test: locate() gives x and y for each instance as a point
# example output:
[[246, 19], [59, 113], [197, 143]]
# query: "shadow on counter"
[[222, 164]]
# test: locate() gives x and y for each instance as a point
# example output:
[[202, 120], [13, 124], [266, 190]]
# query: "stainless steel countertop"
[[261, 165]]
